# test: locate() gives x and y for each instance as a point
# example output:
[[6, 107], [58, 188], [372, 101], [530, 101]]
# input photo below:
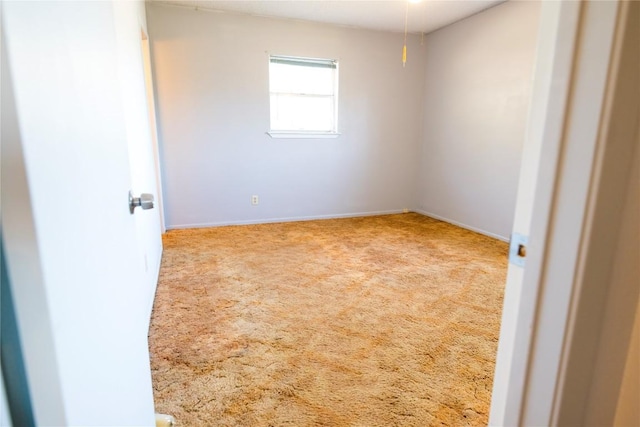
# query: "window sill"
[[302, 135]]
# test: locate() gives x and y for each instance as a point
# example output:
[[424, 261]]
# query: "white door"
[[130, 26], [72, 246]]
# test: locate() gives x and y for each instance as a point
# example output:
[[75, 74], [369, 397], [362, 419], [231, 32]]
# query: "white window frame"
[[329, 63]]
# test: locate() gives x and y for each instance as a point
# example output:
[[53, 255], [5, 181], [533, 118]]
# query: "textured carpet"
[[376, 321]]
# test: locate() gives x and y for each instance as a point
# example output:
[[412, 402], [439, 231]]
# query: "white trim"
[[276, 134], [337, 216], [462, 225], [285, 219]]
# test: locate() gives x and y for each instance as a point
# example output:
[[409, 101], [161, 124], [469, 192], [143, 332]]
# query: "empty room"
[[320, 213], [312, 176]]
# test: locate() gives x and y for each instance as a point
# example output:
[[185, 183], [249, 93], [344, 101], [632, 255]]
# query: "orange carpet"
[[375, 321]]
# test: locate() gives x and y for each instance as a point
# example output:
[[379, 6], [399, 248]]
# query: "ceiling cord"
[[404, 48]]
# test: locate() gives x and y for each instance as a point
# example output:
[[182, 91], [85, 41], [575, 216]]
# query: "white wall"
[[211, 72], [478, 80]]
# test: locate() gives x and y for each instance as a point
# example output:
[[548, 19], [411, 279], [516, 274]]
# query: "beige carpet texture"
[[375, 321]]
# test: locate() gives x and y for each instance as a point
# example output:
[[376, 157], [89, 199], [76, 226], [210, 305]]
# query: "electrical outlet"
[[254, 200]]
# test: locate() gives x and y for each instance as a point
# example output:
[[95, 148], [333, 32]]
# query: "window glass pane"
[[299, 79], [304, 113]]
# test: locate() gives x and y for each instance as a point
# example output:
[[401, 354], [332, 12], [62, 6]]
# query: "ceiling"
[[383, 15]]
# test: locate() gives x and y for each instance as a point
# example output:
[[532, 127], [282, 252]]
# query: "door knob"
[[145, 201]]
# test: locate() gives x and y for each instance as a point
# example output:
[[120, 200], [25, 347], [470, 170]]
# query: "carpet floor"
[[376, 321]]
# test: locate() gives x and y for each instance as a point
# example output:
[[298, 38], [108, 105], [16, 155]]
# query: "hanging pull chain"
[[404, 48]]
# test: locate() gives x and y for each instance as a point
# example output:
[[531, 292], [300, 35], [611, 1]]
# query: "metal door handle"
[[145, 201]]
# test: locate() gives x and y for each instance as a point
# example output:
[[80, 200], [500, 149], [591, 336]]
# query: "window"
[[303, 97]]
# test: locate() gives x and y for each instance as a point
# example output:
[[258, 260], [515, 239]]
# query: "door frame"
[[153, 124], [537, 381]]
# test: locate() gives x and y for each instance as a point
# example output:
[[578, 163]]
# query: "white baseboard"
[[286, 219], [459, 224], [335, 216]]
